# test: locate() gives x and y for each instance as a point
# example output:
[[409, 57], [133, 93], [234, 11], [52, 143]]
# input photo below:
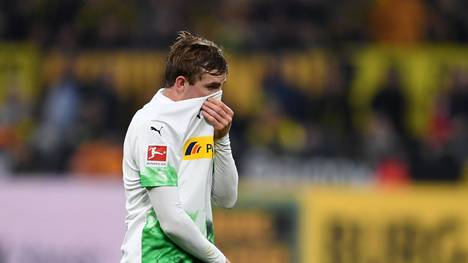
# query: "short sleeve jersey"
[[168, 143]]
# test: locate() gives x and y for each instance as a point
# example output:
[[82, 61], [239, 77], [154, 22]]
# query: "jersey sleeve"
[[156, 146]]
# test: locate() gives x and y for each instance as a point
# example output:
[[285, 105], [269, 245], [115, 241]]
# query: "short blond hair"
[[191, 56]]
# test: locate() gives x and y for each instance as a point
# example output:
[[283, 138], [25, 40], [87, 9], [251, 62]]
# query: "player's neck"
[[172, 94]]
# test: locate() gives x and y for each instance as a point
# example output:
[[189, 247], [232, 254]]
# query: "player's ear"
[[180, 84]]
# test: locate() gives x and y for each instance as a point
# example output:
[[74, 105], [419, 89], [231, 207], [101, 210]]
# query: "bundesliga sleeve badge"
[[157, 155]]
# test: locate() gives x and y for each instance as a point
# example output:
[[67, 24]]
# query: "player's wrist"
[[224, 140]]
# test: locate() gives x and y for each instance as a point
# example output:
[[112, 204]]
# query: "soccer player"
[[177, 160]]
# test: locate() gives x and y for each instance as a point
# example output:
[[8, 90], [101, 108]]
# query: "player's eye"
[[213, 86]]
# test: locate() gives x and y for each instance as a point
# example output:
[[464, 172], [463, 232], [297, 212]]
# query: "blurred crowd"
[[73, 125], [307, 126], [78, 126], [237, 25]]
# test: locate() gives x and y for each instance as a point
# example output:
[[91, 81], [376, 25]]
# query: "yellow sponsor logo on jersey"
[[198, 148]]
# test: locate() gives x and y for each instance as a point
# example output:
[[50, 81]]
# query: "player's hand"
[[227, 261], [219, 115]]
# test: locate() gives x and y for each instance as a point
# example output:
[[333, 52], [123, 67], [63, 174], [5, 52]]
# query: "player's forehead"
[[208, 78]]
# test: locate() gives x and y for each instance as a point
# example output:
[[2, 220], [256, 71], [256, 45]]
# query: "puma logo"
[[156, 130]]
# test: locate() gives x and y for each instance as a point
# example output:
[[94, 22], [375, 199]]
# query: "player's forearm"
[[225, 178], [178, 226], [184, 233]]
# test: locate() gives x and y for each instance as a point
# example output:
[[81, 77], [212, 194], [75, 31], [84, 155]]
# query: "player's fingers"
[[212, 105], [217, 124], [221, 122], [224, 120], [227, 109], [212, 120], [222, 105], [218, 108]]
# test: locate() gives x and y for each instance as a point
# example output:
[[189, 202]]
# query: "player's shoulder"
[[158, 118], [154, 127]]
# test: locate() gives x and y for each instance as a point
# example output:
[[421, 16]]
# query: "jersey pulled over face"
[[168, 143]]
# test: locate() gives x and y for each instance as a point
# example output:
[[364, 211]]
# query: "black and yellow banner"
[[417, 225], [18, 71]]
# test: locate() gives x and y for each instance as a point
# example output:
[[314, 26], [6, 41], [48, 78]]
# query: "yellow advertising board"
[[413, 225]]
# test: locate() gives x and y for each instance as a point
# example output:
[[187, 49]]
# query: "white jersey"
[[168, 143]]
